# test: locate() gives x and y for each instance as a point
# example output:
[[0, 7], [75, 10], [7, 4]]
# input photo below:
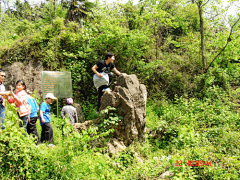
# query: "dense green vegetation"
[[192, 112], [186, 129]]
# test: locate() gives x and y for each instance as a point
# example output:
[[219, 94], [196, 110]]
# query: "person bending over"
[[104, 66]]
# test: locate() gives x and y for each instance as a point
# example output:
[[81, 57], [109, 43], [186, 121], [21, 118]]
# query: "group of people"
[[28, 110], [28, 107]]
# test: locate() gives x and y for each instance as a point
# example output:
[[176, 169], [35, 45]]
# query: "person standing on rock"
[[45, 119], [2, 93], [20, 100], [31, 126], [100, 69]]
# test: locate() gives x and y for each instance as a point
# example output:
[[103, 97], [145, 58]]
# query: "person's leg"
[[110, 75], [24, 122], [2, 116], [100, 93], [100, 89], [63, 132], [29, 127], [50, 134], [43, 134], [32, 129]]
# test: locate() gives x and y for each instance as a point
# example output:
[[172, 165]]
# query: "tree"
[[200, 6], [78, 10], [55, 9], [228, 40]]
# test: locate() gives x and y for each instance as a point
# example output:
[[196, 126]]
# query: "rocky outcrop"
[[82, 126], [79, 112], [31, 73], [129, 97], [115, 146]]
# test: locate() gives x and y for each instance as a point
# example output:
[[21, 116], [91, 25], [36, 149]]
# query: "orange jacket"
[[20, 99]]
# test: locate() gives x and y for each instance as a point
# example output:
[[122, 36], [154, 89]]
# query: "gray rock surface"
[[31, 73], [115, 146], [79, 112], [129, 97], [82, 126]]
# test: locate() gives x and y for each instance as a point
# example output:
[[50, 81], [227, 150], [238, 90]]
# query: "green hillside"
[[190, 66]]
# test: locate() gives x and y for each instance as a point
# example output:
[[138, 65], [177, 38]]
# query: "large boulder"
[[129, 97]]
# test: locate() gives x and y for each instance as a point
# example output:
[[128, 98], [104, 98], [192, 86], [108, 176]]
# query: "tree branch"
[[205, 3], [228, 40]]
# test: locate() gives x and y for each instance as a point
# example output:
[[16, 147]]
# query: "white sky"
[[232, 10], [108, 1]]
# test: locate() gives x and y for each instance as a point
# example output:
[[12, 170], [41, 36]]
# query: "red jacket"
[[20, 99]]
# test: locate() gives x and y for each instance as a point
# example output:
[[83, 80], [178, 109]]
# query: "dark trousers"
[[32, 129], [100, 93], [47, 133], [24, 122]]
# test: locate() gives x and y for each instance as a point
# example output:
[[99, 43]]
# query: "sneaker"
[[97, 112], [106, 89]]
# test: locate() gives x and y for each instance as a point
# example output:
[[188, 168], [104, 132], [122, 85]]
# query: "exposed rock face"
[[31, 74], [115, 146], [79, 112], [82, 126], [129, 98]]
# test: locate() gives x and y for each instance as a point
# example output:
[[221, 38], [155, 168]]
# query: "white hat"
[[51, 96]]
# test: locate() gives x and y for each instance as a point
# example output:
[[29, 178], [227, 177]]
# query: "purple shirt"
[[2, 89]]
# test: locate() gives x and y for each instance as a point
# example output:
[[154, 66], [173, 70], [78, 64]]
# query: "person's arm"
[[10, 100], [29, 114], [116, 71], [94, 69], [23, 97], [4, 93], [42, 118]]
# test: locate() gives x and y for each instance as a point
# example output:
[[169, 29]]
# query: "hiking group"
[[28, 107]]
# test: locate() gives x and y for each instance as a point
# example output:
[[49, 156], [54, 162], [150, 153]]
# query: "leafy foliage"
[[78, 10], [109, 119], [184, 130], [191, 115]]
